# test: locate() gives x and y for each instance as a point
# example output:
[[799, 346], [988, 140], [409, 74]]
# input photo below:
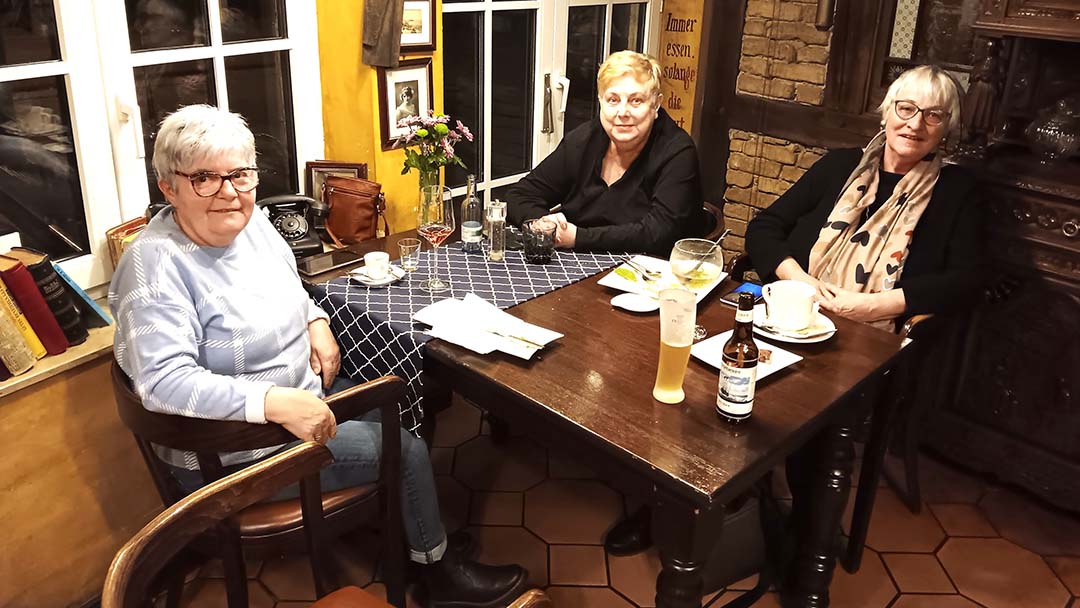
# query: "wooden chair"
[[152, 549], [271, 528], [717, 215]]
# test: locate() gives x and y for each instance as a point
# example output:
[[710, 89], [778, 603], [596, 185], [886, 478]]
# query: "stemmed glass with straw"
[[696, 263]]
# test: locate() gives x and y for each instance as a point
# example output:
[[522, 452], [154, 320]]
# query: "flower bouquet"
[[429, 145]]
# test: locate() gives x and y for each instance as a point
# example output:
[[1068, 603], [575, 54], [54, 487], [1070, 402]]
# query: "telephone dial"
[[298, 219]]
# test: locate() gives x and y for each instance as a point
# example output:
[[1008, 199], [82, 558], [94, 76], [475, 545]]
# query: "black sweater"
[[942, 268], [655, 203]]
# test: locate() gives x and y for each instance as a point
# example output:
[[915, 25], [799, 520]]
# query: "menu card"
[[480, 326]]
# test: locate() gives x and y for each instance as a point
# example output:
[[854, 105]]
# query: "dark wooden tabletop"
[[595, 385]]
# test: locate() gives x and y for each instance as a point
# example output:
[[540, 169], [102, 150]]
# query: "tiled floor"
[[974, 543]]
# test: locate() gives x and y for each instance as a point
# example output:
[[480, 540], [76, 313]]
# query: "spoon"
[[708, 253]]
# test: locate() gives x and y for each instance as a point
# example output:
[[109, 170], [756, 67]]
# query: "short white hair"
[[926, 82], [197, 132]]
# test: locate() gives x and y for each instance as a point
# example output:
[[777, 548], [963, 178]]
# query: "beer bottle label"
[[744, 316], [735, 395]]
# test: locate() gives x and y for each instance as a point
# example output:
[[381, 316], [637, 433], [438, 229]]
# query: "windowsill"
[[99, 344]]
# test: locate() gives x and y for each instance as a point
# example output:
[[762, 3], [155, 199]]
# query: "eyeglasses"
[[207, 183], [906, 110]]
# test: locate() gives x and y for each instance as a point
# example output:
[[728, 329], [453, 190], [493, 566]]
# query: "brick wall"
[[760, 169], [784, 57]]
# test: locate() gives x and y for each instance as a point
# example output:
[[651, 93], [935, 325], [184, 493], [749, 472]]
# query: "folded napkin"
[[478, 325]]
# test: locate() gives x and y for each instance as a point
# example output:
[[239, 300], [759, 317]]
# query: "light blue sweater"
[[207, 331]]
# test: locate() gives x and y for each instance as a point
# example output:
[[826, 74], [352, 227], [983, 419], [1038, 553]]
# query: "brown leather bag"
[[356, 205]]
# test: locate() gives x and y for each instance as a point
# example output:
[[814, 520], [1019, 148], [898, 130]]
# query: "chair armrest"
[[717, 214], [385, 393], [738, 266], [911, 323], [533, 598]]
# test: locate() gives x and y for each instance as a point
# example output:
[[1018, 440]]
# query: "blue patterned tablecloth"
[[374, 325]]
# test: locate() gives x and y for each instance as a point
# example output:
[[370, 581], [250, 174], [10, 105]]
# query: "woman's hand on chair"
[[301, 413]]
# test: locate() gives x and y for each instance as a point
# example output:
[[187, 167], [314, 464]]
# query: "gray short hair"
[[198, 132], [927, 81]]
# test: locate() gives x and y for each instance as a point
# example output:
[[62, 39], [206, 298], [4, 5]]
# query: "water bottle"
[[472, 218]]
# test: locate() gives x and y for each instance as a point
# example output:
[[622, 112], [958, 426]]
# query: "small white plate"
[[395, 273], [821, 324], [635, 302], [711, 351]]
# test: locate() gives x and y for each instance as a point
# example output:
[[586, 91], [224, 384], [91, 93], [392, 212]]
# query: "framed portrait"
[[403, 91], [418, 26], [315, 173]]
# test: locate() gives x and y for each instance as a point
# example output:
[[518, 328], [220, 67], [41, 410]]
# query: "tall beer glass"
[[678, 313]]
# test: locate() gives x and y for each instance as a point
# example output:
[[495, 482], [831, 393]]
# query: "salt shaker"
[[496, 216]]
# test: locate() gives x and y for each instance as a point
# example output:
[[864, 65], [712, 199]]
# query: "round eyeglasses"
[[906, 110], [207, 183]]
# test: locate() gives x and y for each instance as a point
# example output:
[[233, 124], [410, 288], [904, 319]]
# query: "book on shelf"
[[92, 314], [15, 354], [55, 292], [11, 308], [119, 237], [25, 290]]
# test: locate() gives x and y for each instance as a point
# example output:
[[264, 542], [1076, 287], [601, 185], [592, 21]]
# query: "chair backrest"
[[150, 550]]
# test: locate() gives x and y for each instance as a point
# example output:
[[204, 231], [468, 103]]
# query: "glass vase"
[[429, 177], [1055, 134]]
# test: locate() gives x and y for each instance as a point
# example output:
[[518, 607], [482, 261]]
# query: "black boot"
[[458, 582], [631, 535]]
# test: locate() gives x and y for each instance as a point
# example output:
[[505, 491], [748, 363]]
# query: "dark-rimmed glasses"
[[906, 110], [207, 183]]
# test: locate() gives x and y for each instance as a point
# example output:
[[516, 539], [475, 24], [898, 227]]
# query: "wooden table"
[[590, 395]]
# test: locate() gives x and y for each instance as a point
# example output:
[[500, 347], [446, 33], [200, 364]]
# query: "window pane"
[[463, 86], [584, 53], [155, 24], [252, 19], [514, 35], [627, 27], [260, 89], [28, 33], [162, 89], [40, 192]]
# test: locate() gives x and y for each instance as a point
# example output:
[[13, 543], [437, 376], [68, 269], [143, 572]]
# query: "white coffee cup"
[[376, 264], [790, 304]]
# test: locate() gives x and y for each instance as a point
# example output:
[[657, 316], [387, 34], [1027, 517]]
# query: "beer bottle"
[[738, 370]]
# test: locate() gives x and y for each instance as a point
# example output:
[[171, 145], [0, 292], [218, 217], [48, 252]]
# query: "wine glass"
[[435, 222], [697, 263]]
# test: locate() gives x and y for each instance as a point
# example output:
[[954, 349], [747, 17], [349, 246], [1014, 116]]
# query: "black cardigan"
[[655, 203], [942, 268]]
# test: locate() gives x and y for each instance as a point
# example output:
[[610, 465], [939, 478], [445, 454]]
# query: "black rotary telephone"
[[298, 219]]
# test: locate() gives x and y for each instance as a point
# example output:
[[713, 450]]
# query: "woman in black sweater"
[[627, 182], [885, 233]]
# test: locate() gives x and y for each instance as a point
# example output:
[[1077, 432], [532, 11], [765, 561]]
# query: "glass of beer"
[[678, 312]]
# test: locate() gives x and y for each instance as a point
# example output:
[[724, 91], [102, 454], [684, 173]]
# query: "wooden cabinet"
[[1053, 19]]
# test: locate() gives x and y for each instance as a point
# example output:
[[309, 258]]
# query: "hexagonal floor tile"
[[453, 502], [1031, 525], [998, 574], [569, 511], [934, 601], [515, 466], [918, 573], [1068, 570], [355, 556], [941, 482], [584, 565], [442, 461], [963, 520], [457, 424], [586, 597], [496, 508], [894, 529], [210, 593], [513, 545], [870, 587], [289, 578], [561, 466], [635, 576]]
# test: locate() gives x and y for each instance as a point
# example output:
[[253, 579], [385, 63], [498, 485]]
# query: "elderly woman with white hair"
[[626, 182], [886, 232], [213, 322]]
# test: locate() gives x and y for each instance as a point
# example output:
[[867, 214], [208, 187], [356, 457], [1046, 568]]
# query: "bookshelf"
[[99, 344]]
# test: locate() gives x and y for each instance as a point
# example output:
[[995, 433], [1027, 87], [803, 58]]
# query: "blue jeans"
[[356, 450]]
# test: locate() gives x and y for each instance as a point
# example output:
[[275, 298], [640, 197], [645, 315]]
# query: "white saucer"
[[821, 323], [635, 302], [360, 275]]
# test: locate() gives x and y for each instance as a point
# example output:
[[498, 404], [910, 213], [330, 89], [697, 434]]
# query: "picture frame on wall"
[[315, 173], [418, 26], [403, 91]]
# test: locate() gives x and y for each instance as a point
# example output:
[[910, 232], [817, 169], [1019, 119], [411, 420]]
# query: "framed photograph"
[[315, 173], [418, 26], [403, 91]]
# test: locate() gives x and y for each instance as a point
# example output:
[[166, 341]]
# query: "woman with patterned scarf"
[[888, 232]]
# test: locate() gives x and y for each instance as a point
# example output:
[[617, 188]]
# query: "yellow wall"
[[350, 95]]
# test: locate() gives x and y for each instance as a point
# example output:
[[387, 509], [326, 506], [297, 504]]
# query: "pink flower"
[[464, 131]]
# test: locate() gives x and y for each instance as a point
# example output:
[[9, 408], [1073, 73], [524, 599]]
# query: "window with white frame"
[[84, 83]]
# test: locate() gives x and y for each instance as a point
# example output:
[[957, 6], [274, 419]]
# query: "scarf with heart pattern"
[[869, 258]]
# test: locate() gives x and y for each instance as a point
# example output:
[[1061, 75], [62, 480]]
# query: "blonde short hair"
[[198, 132], [929, 82], [643, 68]]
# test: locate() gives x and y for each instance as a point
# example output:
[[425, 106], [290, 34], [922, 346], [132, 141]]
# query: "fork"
[[648, 275]]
